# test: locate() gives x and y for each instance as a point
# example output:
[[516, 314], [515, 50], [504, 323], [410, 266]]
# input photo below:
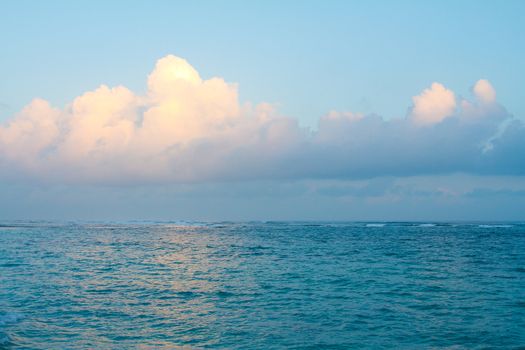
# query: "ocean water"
[[262, 286]]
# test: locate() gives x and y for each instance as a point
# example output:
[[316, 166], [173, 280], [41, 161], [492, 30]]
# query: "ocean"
[[262, 285]]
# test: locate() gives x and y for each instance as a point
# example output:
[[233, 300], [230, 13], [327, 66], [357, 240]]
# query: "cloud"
[[433, 105], [189, 129], [444, 197], [484, 91], [490, 193]]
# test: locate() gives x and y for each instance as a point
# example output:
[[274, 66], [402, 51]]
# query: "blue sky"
[[347, 71]]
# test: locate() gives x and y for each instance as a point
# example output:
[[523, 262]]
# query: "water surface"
[[262, 286]]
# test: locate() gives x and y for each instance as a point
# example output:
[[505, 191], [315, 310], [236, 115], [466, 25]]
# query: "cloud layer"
[[189, 129]]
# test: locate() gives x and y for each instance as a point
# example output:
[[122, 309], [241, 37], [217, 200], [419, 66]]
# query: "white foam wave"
[[375, 225]]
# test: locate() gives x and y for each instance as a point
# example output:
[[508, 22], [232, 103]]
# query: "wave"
[[10, 318], [4, 340], [6, 320], [375, 225], [496, 226]]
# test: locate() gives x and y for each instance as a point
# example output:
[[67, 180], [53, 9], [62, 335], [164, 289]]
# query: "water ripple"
[[273, 285]]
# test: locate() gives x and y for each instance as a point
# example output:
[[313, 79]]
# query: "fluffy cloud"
[[484, 91], [433, 105], [187, 129]]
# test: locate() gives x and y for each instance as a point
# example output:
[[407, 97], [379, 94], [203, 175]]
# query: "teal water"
[[262, 286]]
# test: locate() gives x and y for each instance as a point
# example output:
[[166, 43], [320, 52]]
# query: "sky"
[[208, 110]]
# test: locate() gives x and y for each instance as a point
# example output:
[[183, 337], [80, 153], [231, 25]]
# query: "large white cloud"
[[187, 129]]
